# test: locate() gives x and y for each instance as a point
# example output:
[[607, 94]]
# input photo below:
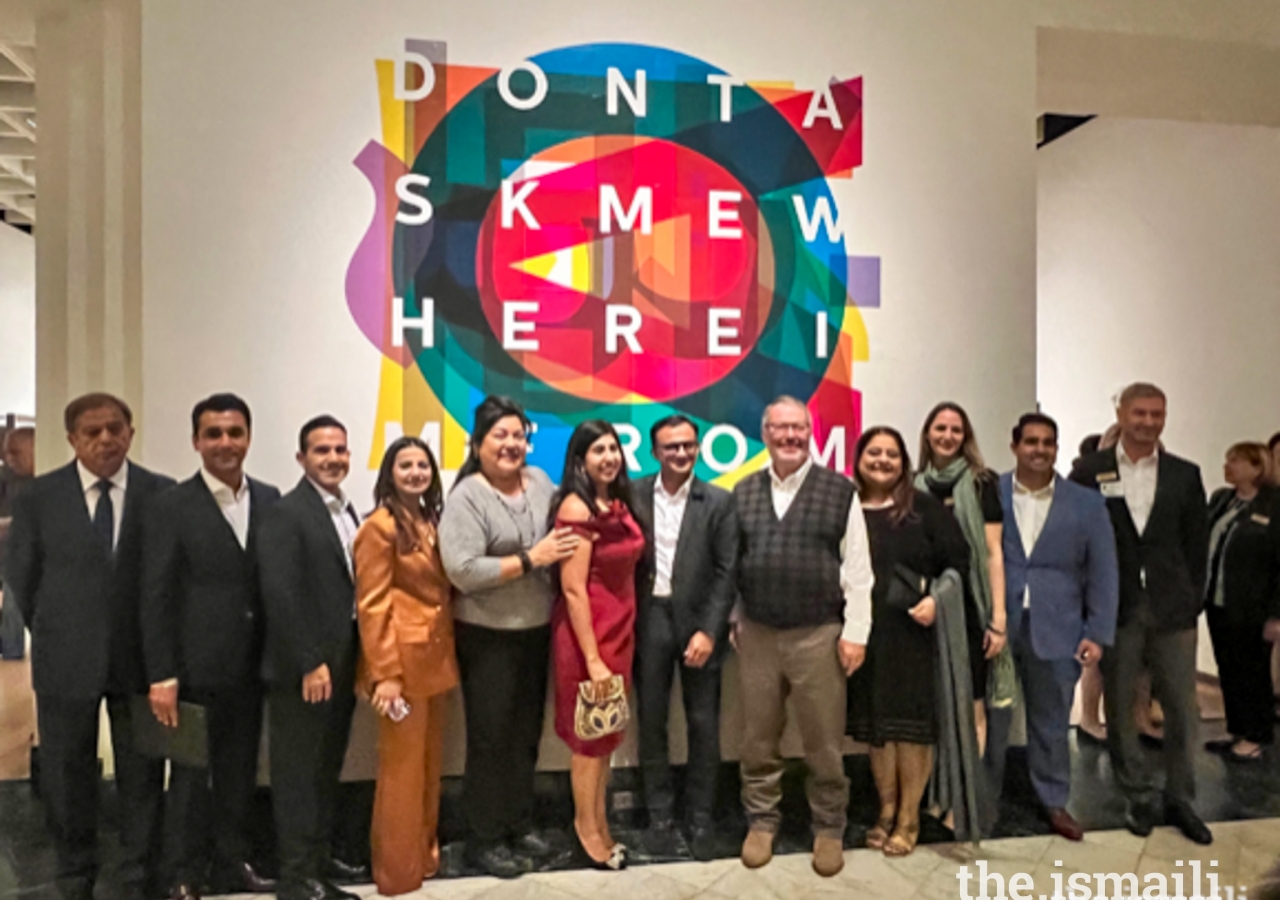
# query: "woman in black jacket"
[[1242, 593]]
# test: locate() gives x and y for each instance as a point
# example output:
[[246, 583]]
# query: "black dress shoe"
[[346, 873], [243, 878], [1221, 745], [1140, 818], [498, 860], [702, 842], [310, 889], [1182, 817], [1154, 741], [1083, 737], [662, 840], [532, 844]]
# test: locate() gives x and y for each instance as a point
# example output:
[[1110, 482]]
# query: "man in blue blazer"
[[1062, 586]]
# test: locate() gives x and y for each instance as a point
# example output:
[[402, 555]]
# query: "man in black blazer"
[[1157, 507], [73, 567], [685, 590], [312, 648], [202, 638]]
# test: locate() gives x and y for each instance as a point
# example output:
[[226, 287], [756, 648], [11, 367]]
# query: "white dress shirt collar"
[[1151, 459], [89, 481], [681, 492], [335, 502], [793, 481], [1040, 493], [221, 490]]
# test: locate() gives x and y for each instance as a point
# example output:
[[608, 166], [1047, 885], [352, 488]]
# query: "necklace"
[[521, 512]]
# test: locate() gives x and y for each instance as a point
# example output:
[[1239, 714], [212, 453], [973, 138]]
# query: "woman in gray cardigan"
[[496, 549]]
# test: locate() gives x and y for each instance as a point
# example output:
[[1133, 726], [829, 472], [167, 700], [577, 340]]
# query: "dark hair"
[[88, 402], [492, 410], [384, 492], [220, 403], [968, 446], [324, 421], [904, 492], [670, 421], [575, 479], [1089, 444], [1273, 440], [1034, 418]]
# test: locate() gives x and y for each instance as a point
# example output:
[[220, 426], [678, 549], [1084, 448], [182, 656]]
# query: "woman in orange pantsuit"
[[406, 633]]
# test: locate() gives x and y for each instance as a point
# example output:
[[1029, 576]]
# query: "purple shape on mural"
[[864, 281]]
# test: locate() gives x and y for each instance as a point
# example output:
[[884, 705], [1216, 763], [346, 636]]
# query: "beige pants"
[[803, 664]]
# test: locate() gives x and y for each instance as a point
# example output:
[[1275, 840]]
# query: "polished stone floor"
[[1243, 799]]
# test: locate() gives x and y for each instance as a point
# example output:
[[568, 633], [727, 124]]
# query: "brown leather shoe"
[[1065, 824], [828, 856], [757, 849]]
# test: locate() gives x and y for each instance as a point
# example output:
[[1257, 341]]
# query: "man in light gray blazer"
[[1062, 588]]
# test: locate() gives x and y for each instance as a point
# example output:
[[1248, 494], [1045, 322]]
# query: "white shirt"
[[668, 515], [1139, 481], [119, 484], [856, 578], [345, 520], [234, 504], [1030, 510]]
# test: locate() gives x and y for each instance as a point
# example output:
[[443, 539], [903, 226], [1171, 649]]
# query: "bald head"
[[20, 451]]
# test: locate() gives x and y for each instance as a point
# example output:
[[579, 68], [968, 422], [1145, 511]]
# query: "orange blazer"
[[404, 608]]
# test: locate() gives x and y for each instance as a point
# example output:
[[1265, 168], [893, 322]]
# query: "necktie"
[[104, 518]]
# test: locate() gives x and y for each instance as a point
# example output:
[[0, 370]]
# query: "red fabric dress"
[[617, 544]]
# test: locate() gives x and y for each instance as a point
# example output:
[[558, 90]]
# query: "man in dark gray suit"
[[1157, 506], [73, 567], [310, 664], [685, 590], [202, 640]]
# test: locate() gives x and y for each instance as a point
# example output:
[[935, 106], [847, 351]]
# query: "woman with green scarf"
[[951, 468]]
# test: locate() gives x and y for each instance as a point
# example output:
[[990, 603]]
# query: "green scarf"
[[1003, 679]]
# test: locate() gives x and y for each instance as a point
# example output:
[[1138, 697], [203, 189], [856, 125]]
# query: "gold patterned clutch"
[[601, 709]]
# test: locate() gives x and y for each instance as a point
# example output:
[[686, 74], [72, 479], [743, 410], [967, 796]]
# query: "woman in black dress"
[[952, 470], [892, 698]]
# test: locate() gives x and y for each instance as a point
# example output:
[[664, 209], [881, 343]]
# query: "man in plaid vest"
[[805, 579]]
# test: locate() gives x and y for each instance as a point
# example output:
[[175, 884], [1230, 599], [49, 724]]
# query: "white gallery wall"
[[1159, 260], [17, 322]]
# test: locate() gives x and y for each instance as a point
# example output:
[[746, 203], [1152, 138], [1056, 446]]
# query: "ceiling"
[[17, 133]]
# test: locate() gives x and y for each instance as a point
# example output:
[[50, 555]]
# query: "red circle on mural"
[[630, 263]]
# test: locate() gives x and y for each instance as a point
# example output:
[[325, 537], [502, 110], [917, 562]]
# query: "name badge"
[[1112, 488], [1261, 519], [1108, 476], [950, 501]]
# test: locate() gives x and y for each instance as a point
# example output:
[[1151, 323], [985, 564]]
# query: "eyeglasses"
[[518, 436], [787, 427], [687, 446]]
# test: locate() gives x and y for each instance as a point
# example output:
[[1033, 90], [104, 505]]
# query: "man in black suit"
[[201, 635], [1157, 507], [74, 563], [312, 647], [685, 590]]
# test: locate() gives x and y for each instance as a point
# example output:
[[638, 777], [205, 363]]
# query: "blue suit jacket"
[[1073, 572]]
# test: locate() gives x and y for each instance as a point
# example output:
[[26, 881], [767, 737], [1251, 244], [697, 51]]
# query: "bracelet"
[[996, 631], [526, 564]]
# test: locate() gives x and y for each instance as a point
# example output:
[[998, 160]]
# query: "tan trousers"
[[406, 806], [803, 664]]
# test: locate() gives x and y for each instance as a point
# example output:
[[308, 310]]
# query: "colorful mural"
[[614, 231]]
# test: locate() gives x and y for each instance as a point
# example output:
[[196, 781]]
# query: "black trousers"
[[212, 806], [504, 694], [308, 742], [659, 653], [69, 788], [1244, 672]]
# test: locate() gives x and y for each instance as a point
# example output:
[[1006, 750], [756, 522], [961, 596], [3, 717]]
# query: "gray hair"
[[785, 400]]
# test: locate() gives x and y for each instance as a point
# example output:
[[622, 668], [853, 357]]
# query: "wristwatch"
[[525, 562]]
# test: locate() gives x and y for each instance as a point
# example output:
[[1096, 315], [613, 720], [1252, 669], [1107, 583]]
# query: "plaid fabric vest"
[[789, 570]]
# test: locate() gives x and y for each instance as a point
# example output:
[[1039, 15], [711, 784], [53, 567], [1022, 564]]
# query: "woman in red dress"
[[593, 621]]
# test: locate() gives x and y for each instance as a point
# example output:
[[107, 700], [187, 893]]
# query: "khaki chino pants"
[[803, 664]]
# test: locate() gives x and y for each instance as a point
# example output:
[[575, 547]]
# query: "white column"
[[88, 246]]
